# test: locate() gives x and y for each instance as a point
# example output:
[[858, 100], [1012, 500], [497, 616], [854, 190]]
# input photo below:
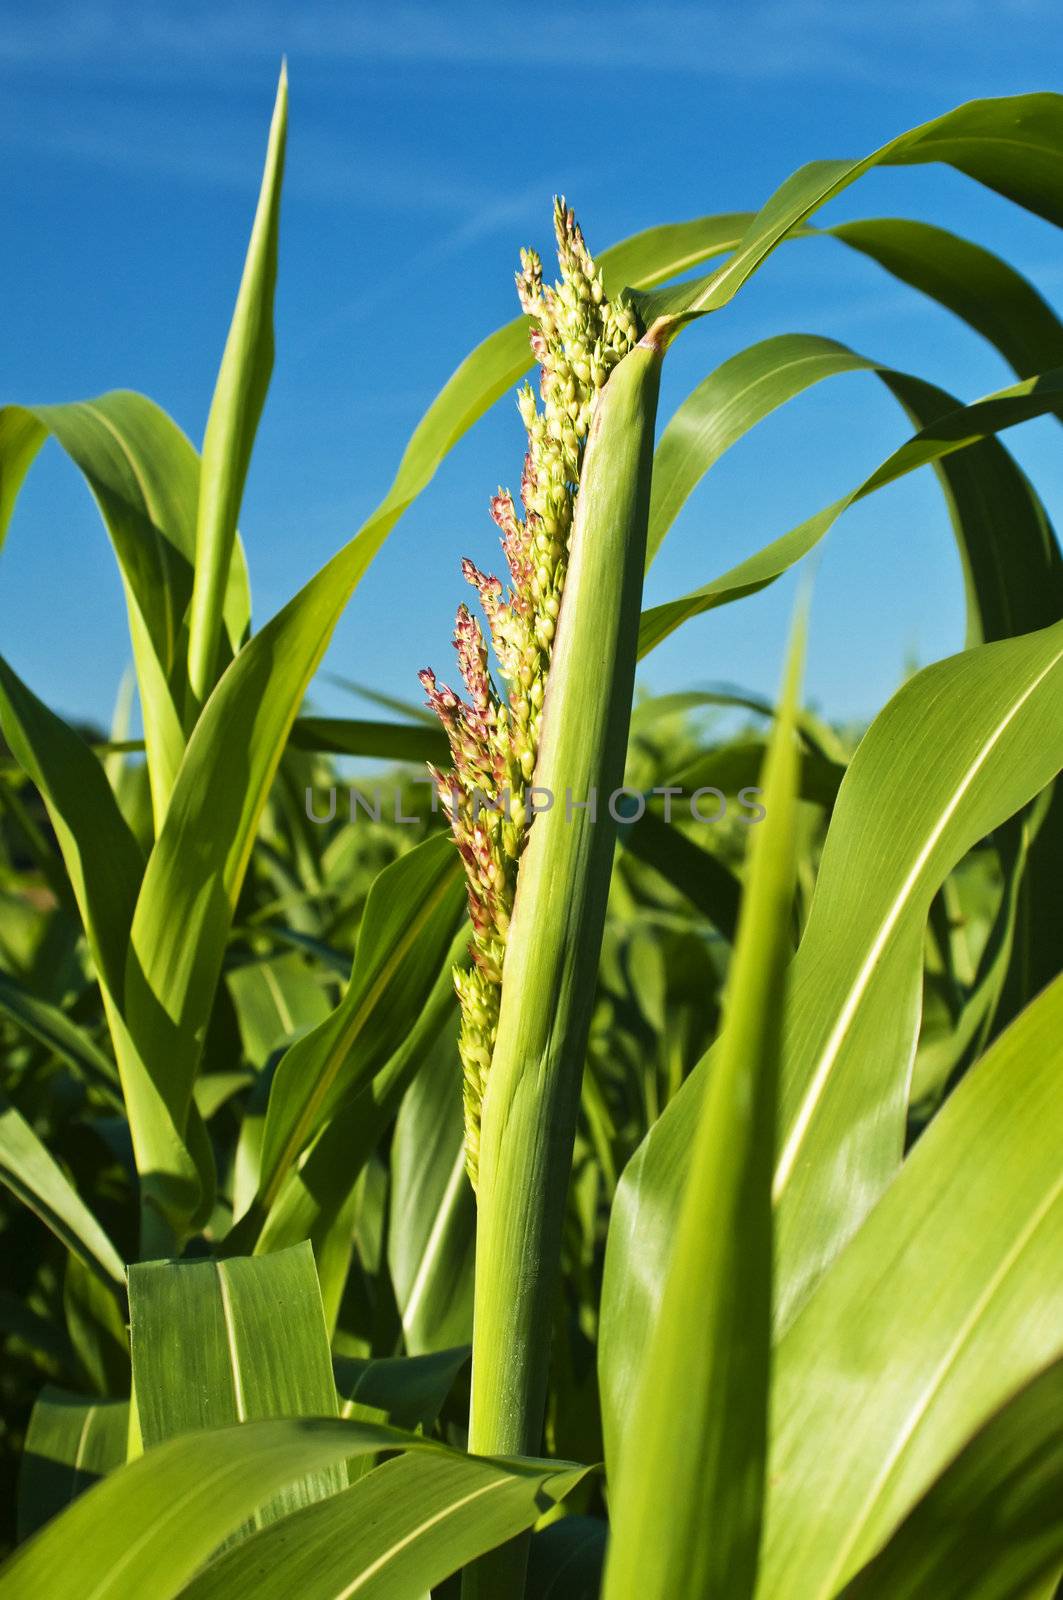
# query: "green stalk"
[[532, 1094]]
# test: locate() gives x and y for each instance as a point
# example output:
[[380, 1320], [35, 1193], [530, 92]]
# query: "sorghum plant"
[[806, 1090]]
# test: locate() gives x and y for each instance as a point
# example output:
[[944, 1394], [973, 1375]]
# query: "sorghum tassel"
[[577, 336]]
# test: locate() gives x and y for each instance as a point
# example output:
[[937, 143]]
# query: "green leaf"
[[216, 1089], [693, 1453], [816, 735], [102, 858], [144, 476], [943, 1304], [726, 405], [388, 741], [705, 880], [395, 1533], [1012, 145], [183, 1498], [1046, 1589], [312, 1199], [971, 282], [40, 849], [235, 410], [938, 1059], [274, 1000], [736, 765], [96, 1320], [409, 710], [1038, 946], [36, 1179], [948, 1545], [962, 746], [197, 867], [232, 1341], [566, 1560], [407, 927], [945, 428], [71, 1443], [55, 1030], [432, 1220], [176, 1172], [408, 1391]]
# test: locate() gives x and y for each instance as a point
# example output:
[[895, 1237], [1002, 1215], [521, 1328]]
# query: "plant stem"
[[532, 1096]]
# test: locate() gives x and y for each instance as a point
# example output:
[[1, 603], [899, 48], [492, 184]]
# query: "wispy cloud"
[[177, 91], [495, 217], [218, 145], [764, 39]]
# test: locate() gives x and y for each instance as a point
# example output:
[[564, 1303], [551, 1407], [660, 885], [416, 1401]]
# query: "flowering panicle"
[[577, 337]]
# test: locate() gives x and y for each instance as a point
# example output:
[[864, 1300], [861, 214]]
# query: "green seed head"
[[577, 336]]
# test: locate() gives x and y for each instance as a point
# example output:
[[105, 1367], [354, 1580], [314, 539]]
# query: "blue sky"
[[426, 142]]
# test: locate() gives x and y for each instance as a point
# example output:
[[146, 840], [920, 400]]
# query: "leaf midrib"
[[821, 1073], [937, 1380], [396, 1549]]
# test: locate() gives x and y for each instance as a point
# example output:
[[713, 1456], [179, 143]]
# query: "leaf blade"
[[396, 1532], [963, 1310], [700, 1415], [35, 1178], [963, 746], [235, 410], [948, 1547], [183, 1498]]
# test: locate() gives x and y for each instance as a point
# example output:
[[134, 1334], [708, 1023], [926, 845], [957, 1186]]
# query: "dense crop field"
[[630, 1163]]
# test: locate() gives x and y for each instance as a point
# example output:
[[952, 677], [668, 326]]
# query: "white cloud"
[[765, 39]]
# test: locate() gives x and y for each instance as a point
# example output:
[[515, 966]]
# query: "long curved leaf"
[[390, 741], [432, 1220], [949, 1547], [105, 868], [409, 1390], [947, 432], [149, 1526], [960, 748], [971, 282], [705, 880], [726, 405], [103, 860], [310, 1203], [945, 1302], [143, 474], [1012, 145], [394, 1534], [566, 1560], [974, 284], [35, 1178], [55, 1030]]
